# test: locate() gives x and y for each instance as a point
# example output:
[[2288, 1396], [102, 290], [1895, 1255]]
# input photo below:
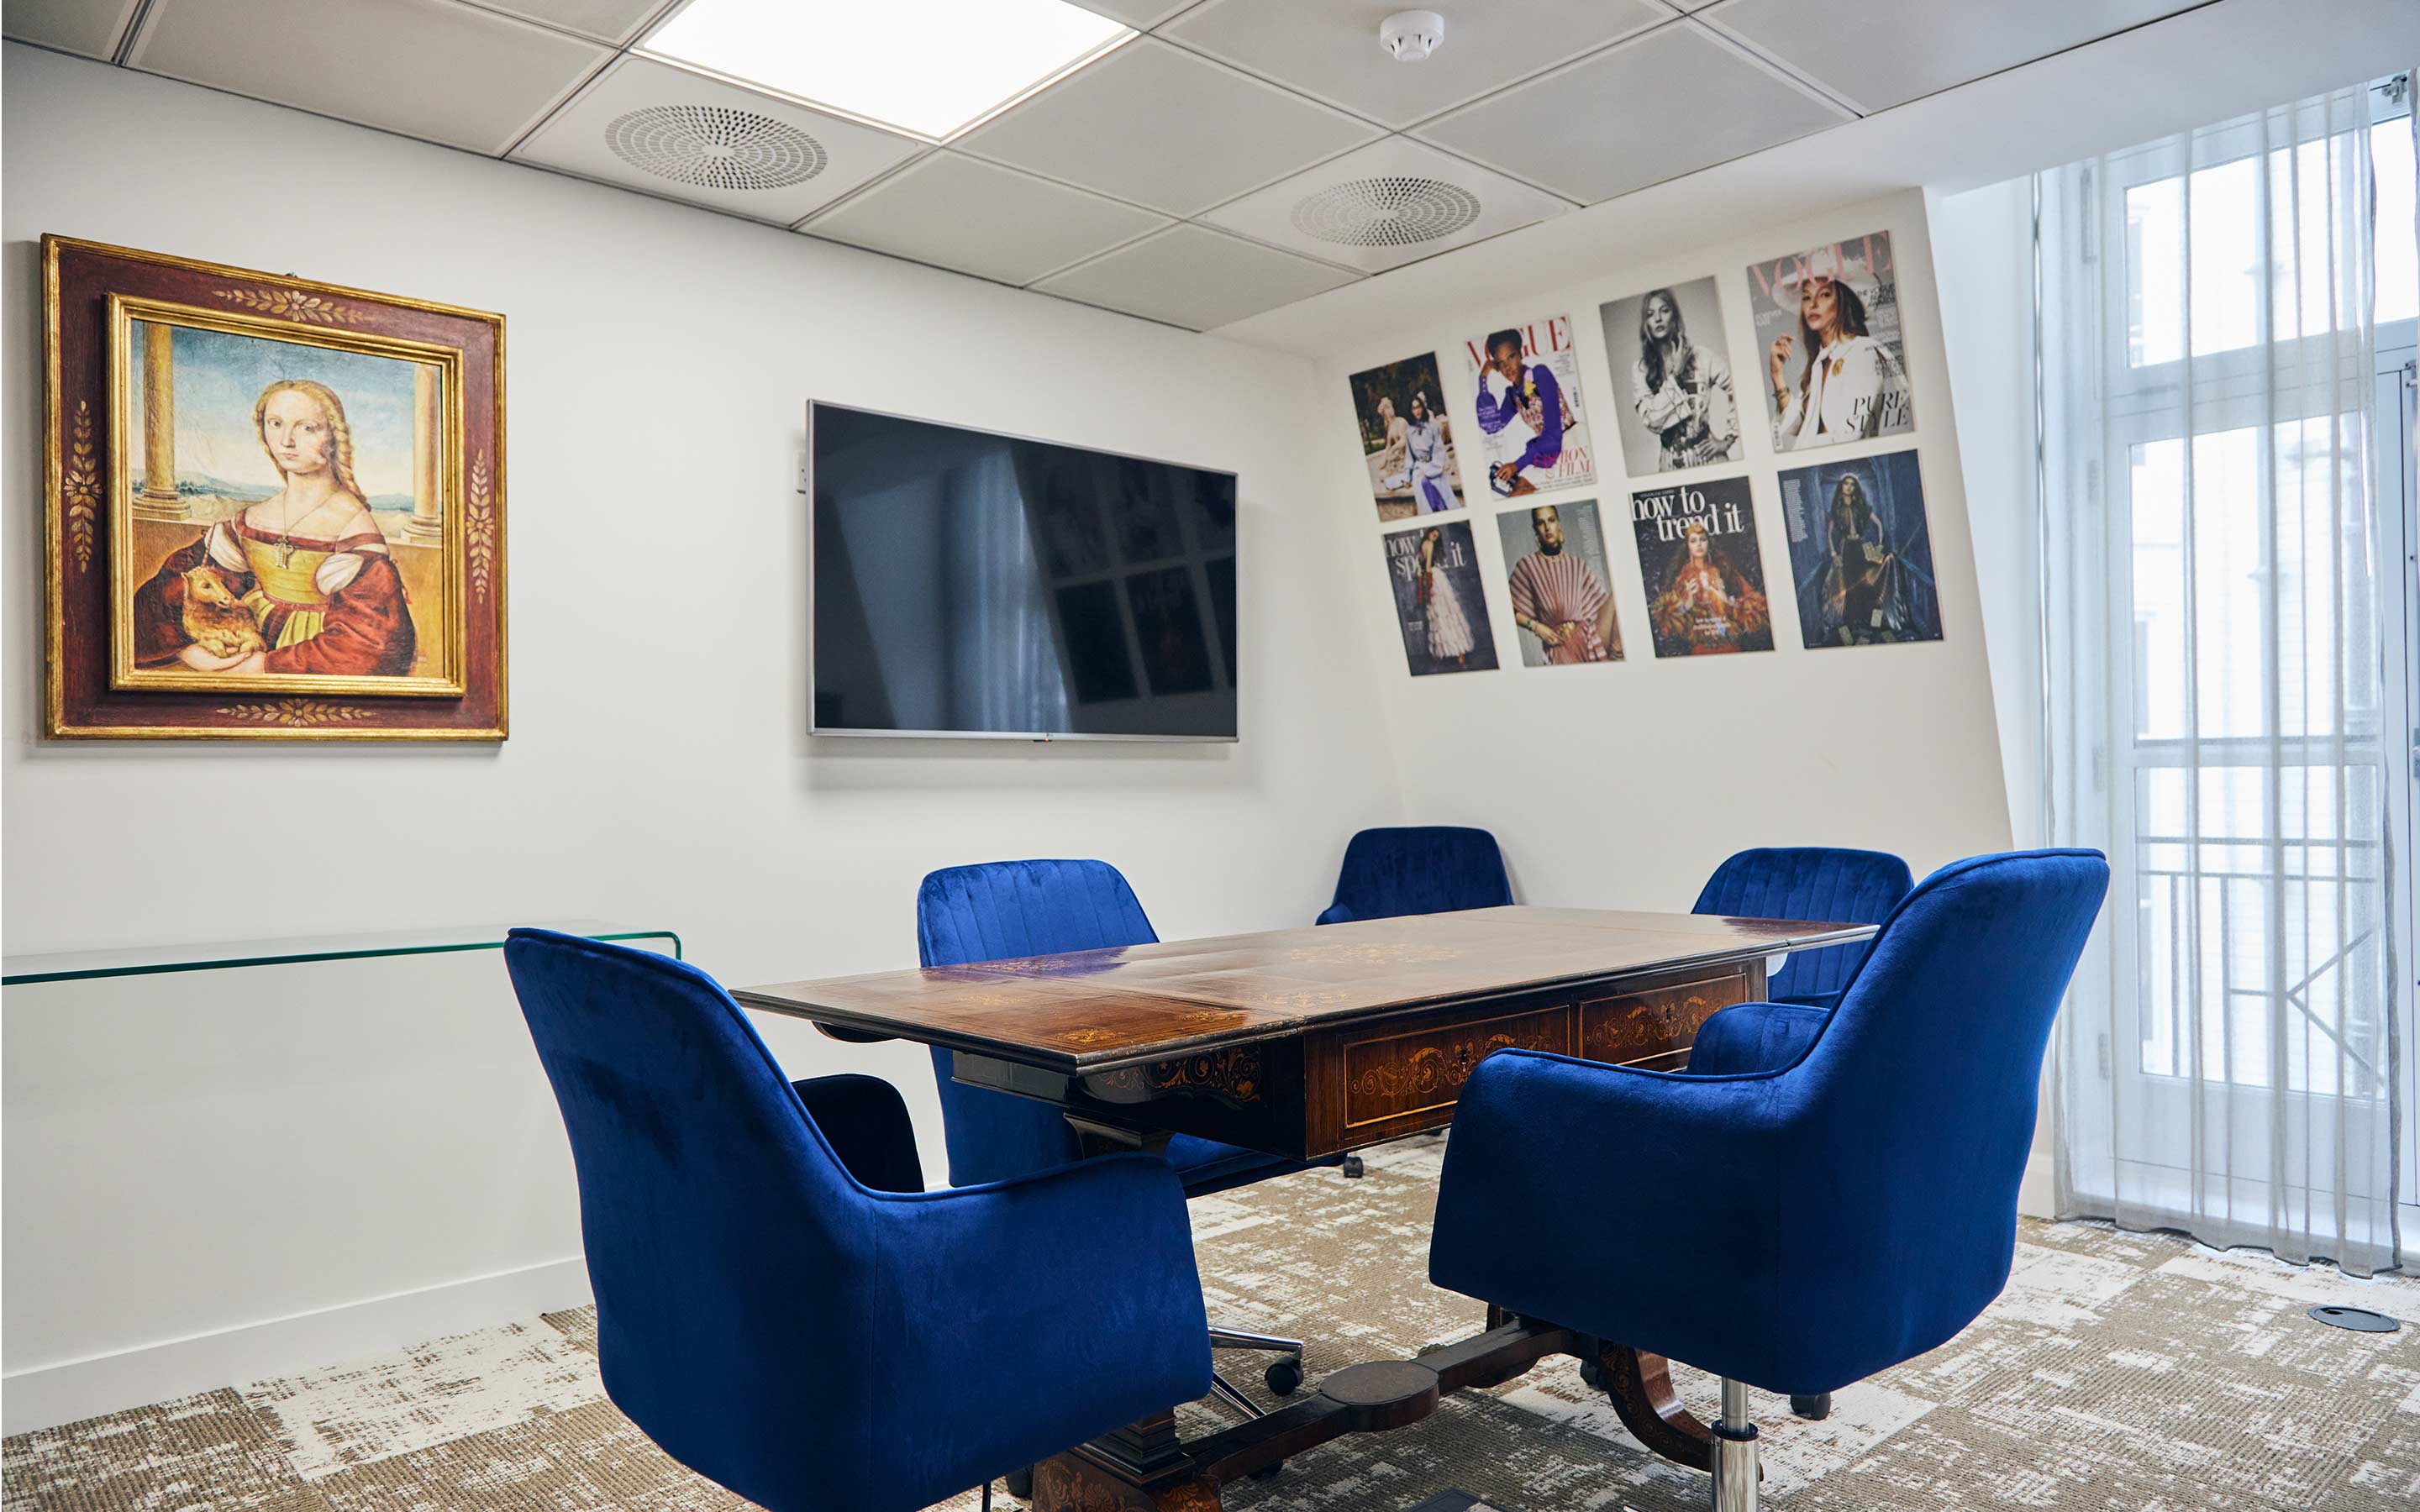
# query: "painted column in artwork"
[[427, 522], [159, 498]]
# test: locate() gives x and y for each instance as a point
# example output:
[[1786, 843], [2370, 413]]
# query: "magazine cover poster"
[[1678, 407], [1827, 328], [1406, 441], [1554, 563], [1861, 552], [1705, 576], [1435, 574], [1533, 436]]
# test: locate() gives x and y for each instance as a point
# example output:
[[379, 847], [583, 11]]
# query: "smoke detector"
[[1396, 210], [714, 146], [1410, 36]]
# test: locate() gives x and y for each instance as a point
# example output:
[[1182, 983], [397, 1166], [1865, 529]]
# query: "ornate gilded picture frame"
[[275, 507]]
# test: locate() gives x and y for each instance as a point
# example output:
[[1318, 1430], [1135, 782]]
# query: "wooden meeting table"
[[1311, 1042]]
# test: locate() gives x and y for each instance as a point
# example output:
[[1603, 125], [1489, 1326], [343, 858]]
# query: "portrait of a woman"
[[1393, 463], [1861, 577], [1450, 634], [1681, 391], [1848, 385], [1405, 441], [1708, 605], [308, 564], [1428, 438]]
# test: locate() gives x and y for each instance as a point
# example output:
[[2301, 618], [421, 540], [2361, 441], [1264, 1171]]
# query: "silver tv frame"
[[807, 475]]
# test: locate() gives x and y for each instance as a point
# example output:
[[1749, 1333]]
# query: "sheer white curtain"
[[2213, 598]]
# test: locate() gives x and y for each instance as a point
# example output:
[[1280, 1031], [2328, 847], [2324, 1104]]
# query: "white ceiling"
[[2207, 65], [1242, 156]]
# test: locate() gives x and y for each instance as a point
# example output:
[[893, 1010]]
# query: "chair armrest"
[[1756, 1037], [1571, 1188], [865, 1121], [1075, 1285]]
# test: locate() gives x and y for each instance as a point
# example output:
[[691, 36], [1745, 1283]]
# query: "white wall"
[[658, 771], [1983, 241], [1622, 785]]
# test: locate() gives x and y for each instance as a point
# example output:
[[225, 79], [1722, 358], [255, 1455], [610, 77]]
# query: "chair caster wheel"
[[1813, 1409], [1353, 1167], [1021, 1483], [1284, 1375], [1269, 1472]]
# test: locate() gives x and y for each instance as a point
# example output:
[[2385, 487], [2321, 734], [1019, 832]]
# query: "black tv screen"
[[970, 583]]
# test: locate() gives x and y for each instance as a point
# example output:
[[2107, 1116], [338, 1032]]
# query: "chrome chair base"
[[1735, 1467], [1284, 1374]]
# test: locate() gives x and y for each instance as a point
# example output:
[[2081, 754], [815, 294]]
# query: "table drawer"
[[1655, 1023], [1393, 1076]]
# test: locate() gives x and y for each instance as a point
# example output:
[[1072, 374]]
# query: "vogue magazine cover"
[[1827, 327], [1406, 441], [1704, 577], [1435, 574], [1554, 556], [1678, 405], [1861, 551], [1525, 383]]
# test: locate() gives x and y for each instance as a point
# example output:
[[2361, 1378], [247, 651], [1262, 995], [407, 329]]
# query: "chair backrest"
[[723, 1236], [1811, 882], [1419, 869], [1916, 1106], [996, 911]]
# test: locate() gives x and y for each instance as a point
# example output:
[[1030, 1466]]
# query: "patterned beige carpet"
[[2119, 1373]]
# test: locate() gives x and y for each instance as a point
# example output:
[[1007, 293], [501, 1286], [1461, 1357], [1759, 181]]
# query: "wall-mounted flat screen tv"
[[970, 583]]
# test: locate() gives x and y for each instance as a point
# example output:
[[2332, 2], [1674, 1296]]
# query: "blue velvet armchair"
[[1812, 882], [1005, 909], [1421, 868], [1839, 1189], [779, 1304]]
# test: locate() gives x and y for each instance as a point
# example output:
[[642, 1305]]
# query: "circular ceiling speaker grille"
[[1393, 211], [714, 147]]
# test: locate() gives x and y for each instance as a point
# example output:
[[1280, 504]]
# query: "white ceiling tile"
[[1142, 15], [1156, 125], [613, 20], [1191, 276], [91, 27], [1331, 52], [721, 146], [1391, 203], [1891, 52], [982, 218], [425, 67], [1675, 101]]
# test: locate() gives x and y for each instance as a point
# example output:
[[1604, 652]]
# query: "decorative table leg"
[[1641, 1388], [1071, 1482]]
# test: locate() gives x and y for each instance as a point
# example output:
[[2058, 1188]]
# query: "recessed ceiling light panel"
[[930, 67]]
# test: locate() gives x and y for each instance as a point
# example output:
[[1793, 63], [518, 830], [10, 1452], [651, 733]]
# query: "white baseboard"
[[41, 1396], [2037, 1195]]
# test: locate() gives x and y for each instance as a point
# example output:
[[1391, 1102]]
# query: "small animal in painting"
[[216, 619]]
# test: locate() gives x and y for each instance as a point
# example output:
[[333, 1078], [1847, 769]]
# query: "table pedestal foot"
[[1142, 1467], [1073, 1483], [1641, 1386]]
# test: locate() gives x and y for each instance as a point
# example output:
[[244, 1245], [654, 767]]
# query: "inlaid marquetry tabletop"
[[1096, 1010]]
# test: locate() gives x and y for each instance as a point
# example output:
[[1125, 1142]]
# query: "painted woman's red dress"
[[329, 607]]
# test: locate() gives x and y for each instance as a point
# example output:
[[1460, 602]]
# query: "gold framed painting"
[[275, 507]]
